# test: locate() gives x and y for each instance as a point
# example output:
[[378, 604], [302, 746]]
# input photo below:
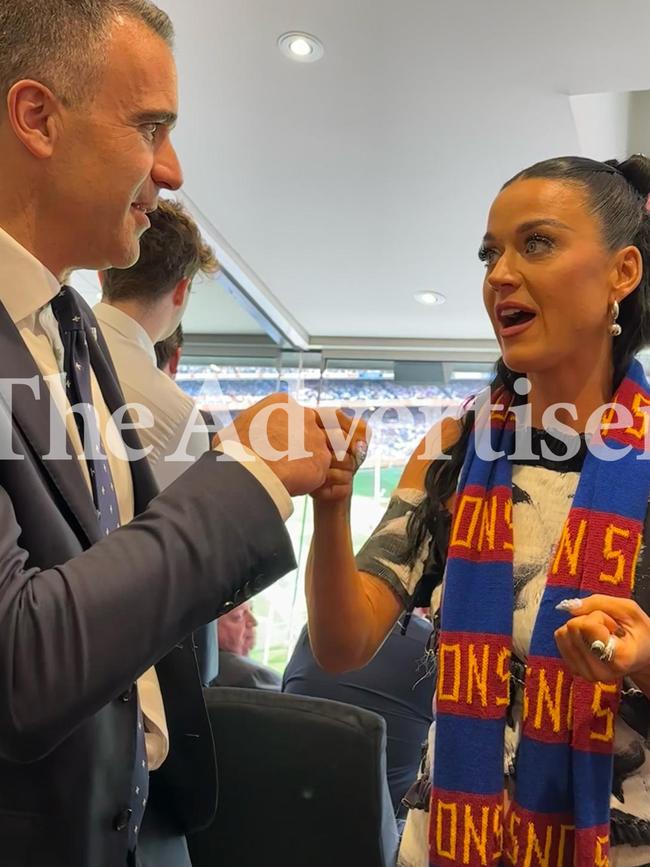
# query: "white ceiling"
[[211, 308], [347, 185]]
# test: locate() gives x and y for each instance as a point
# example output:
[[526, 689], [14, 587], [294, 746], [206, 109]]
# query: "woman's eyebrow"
[[531, 225], [544, 221]]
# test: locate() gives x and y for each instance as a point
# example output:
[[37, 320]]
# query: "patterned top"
[[542, 493]]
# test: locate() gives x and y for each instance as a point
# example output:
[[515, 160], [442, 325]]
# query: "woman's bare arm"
[[350, 611]]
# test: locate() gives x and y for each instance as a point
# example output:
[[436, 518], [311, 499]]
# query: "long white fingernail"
[[360, 452], [569, 605]]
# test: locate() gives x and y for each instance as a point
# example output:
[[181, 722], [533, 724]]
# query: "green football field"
[[364, 483]]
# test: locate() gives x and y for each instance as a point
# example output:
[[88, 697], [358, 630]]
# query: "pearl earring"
[[615, 329]]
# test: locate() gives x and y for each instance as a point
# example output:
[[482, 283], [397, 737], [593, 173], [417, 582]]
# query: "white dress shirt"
[[143, 384]]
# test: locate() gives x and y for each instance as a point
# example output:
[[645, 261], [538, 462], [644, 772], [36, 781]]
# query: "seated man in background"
[[236, 637], [143, 305], [168, 356], [393, 685]]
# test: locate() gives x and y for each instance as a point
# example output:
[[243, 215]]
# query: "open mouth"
[[142, 211], [514, 316]]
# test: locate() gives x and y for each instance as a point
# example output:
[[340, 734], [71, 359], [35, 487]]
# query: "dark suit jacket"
[[236, 670], [393, 684], [82, 618]]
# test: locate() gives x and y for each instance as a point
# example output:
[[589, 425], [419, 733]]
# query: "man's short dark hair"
[[60, 43], [170, 250], [166, 349]]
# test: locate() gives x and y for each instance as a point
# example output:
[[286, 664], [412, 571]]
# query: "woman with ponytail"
[[535, 559]]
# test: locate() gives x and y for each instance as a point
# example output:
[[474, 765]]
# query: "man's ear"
[[179, 293], [174, 362], [34, 113]]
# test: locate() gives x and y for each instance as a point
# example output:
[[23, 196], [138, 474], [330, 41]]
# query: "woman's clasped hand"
[[596, 622]]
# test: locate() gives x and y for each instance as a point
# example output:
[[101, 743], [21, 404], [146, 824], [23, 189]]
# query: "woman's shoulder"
[[440, 438]]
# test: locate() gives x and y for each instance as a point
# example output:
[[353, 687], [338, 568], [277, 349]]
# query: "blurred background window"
[[400, 401]]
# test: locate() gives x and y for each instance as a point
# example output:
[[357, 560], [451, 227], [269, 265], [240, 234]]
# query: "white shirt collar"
[[126, 325], [26, 285]]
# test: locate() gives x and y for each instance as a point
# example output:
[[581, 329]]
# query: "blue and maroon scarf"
[[560, 812]]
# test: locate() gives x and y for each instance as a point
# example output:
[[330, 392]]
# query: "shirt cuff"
[[263, 473], [156, 734]]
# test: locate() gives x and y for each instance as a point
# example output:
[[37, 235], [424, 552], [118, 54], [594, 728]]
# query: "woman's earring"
[[615, 329]]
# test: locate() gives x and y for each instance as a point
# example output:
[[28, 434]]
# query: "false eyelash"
[[483, 253], [543, 239]]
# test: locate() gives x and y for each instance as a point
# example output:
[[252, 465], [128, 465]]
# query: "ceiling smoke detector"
[[301, 47]]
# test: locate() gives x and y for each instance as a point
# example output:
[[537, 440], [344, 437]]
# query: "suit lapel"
[[31, 415]]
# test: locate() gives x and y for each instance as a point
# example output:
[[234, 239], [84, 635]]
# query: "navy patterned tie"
[[140, 785], [76, 366]]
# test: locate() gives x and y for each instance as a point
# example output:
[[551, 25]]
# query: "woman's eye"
[[488, 255], [538, 244]]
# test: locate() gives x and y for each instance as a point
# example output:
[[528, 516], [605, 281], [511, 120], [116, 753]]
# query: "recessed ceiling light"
[[431, 299], [301, 47]]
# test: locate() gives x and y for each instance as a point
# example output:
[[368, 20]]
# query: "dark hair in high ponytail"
[[617, 194]]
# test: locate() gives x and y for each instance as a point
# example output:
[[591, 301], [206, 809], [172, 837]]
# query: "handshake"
[[311, 451]]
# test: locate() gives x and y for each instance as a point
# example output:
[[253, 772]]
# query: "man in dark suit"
[[237, 635], [89, 607]]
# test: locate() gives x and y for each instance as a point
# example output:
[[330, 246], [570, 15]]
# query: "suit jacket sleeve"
[[73, 638]]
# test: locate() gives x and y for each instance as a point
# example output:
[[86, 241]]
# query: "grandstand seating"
[[399, 414]]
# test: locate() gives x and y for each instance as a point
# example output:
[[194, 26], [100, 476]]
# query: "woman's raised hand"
[[348, 440], [606, 638]]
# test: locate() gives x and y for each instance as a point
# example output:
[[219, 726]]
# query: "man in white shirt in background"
[[143, 305]]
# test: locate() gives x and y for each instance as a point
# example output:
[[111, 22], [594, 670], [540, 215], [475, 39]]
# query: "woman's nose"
[[503, 274]]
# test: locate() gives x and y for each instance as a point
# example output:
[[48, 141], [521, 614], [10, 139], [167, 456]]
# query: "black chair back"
[[302, 783]]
